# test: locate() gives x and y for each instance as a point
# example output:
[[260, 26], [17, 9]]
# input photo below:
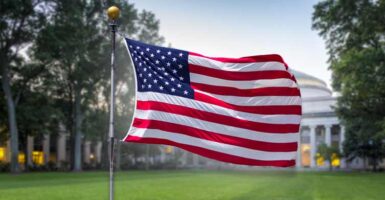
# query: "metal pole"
[[113, 13], [113, 26]]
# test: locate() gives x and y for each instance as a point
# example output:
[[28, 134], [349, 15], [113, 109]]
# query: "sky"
[[231, 28]]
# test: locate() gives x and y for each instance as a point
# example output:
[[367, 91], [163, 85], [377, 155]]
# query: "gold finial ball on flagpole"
[[113, 12]]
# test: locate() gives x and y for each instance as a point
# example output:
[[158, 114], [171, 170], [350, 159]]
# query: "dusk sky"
[[230, 28]]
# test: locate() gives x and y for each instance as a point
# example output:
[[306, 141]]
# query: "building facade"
[[319, 122], [53, 149]]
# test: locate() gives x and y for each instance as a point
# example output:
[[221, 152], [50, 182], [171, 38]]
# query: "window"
[[38, 157], [2, 154], [21, 158]]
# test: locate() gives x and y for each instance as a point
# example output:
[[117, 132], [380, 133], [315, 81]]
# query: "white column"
[[87, 152], [299, 150], [8, 151], [183, 158], [313, 146], [328, 137], [342, 139], [61, 148], [162, 149], [195, 160], [29, 150], [98, 152], [46, 148]]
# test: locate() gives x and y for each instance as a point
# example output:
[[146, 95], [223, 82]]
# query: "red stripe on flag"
[[239, 76], [216, 118], [230, 91], [213, 154], [268, 110], [216, 137]]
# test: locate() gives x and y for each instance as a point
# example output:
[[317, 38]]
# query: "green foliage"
[[355, 36], [148, 27], [4, 167], [70, 46], [65, 78], [328, 153], [75, 48], [36, 113], [49, 167], [20, 22]]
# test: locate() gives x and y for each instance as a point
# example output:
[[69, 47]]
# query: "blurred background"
[[55, 86], [55, 65]]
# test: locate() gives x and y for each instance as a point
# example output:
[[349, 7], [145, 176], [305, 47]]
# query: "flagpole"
[[113, 14]]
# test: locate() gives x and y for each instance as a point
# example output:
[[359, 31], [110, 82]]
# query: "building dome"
[[311, 86]]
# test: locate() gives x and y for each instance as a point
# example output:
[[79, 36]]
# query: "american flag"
[[237, 110]]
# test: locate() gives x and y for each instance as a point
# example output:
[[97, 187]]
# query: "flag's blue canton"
[[160, 69]]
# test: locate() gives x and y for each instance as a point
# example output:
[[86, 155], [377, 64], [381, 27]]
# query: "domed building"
[[319, 122]]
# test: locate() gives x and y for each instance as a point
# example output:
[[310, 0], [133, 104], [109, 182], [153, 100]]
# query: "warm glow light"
[[2, 154], [92, 156], [21, 158], [168, 149], [320, 160], [305, 155], [38, 157], [305, 147], [335, 160]]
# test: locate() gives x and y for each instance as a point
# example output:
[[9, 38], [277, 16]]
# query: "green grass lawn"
[[204, 185]]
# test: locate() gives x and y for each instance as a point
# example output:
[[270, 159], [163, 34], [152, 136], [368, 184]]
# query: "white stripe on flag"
[[237, 67], [216, 127], [214, 146], [257, 101], [281, 82]]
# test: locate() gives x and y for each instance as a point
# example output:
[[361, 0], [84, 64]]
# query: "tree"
[[36, 113], [355, 37], [71, 46], [19, 23], [3, 121], [75, 48], [329, 153]]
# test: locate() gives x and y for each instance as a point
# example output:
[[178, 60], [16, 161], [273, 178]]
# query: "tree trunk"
[[117, 156], [374, 164], [78, 134], [27, 156], [105, 163], [147, 157], [330, 164], [11, 110]]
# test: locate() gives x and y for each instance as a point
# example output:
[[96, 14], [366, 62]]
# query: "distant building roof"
[[308, 81]]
